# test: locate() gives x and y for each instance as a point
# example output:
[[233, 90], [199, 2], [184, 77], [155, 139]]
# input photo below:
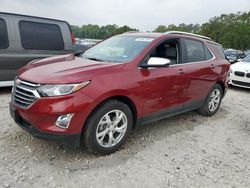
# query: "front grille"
[[241, 83], [239, 73], [25, 93], [248, 75]]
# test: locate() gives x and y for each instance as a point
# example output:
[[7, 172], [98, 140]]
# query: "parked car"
[[83, 44], [120, 83], [80, 48], [240, 73], [89, 42], [234, 56], [26, 38], [247, 52]]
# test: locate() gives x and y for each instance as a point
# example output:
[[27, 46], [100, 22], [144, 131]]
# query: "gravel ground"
[[187, 150]]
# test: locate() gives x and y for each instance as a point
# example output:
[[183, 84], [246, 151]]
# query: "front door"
[[165, 86]]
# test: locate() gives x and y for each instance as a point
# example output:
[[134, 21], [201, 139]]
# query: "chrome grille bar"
[[30, 96], [26, 99], [25, 93]]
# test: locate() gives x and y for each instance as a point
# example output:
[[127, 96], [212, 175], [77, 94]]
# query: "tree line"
[[230, 30], [99, 32]]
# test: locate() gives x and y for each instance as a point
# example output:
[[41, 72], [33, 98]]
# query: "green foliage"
[[99, 32], [230, 30], [191, 28]]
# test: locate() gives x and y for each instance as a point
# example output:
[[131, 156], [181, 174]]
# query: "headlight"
[[58, 90]]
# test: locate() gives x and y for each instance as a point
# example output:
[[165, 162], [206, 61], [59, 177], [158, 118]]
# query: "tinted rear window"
[[40, 36], [4, 41], [219, 50]]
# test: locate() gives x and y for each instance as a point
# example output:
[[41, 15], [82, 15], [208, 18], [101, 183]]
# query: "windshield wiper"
[[101, 60], [94, 59]]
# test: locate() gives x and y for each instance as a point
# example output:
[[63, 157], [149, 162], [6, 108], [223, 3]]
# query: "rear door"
[[199, 72]]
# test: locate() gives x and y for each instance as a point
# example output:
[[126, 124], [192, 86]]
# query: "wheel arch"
[[128, 102], [222, 86], [124, 99]]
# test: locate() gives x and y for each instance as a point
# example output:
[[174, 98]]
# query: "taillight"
[[73, 38]]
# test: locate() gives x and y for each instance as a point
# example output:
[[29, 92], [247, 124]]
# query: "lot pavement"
[[187, 150]]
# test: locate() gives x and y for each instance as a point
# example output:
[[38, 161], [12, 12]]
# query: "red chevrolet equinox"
[[130, 79]]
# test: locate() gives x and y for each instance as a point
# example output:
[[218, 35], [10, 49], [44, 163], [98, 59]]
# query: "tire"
[[207, 108], [104, 132]]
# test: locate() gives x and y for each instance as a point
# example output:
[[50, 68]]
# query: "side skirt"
[[170, 112]]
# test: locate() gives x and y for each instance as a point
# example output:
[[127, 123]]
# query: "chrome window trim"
[[178, 64], [181, 64]]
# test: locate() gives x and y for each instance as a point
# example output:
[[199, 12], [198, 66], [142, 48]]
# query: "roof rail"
[[186, 33], [131, 32]]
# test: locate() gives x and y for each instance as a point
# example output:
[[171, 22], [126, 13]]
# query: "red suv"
[[124, 81]]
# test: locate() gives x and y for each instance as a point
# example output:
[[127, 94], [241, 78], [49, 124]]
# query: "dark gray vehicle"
[[25, 38], [234, 55]]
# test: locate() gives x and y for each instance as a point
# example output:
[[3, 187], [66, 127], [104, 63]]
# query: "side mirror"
[[157, 62]]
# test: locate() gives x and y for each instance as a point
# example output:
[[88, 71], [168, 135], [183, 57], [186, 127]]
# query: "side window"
[[219, 50], [208, 54], [40, 36], [195, 50], [168, 49], [4, 41]]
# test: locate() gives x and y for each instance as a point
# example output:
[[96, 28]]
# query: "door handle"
[[181, 71], [212, 66]]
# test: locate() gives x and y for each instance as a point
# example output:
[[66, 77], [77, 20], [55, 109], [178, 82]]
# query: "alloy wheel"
[[111, 128], [214, 100]]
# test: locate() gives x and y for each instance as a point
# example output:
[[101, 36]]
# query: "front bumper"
[[39, 119], [238, 81], [70, 139]]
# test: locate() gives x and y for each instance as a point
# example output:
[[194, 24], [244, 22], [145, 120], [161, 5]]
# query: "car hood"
[[65, 69], [241, 66]]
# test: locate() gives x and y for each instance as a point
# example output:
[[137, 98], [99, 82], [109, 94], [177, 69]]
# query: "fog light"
[[63, 121]]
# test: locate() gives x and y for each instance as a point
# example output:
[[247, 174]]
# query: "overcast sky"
[[142, 14]]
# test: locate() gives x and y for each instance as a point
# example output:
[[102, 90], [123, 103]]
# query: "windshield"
[[118, 49], [247, 59]]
